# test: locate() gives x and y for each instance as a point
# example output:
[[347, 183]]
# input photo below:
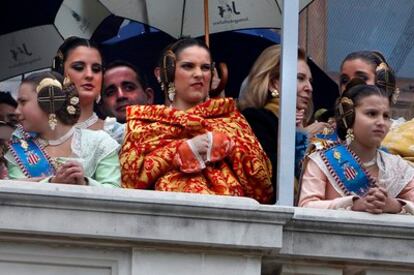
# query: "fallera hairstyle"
[[141, 78], [56, 100], [167, 61], [356, 90], [384, 75], [67, 46], [265, 70], [6, 98]]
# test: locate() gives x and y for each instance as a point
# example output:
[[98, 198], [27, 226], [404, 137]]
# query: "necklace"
[[370, 163], [59, 141], [87, 123]]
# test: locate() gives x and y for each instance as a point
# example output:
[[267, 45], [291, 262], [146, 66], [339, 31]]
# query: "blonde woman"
[[259, 102]]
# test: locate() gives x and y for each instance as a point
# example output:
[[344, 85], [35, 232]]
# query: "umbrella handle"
[[224, 72]]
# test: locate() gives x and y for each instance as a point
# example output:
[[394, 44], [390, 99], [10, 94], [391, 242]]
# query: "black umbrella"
[[240, 50], [237, 49], [32, 31]]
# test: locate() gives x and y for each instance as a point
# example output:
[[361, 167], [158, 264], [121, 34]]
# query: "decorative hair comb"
[[47, 82], [345, 101]]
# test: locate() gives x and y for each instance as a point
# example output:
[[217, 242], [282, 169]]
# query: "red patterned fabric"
[[155, 132]]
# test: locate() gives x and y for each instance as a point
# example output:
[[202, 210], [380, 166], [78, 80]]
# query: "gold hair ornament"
[[381, 66], [47, 82], [345, 101]]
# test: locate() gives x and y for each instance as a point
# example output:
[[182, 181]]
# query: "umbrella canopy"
[[185, 18], [142, 46], [32, 32], [240, 49]]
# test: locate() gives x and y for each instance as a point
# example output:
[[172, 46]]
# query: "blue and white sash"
[[31, 158], [346, 169]]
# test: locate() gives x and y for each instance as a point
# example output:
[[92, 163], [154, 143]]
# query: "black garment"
[[265, 126]]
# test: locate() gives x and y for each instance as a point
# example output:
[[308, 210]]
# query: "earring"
[[395, 95], [349, 136], [52, 121], [171, 91], [274, 93], [66, 81], [98, 99]]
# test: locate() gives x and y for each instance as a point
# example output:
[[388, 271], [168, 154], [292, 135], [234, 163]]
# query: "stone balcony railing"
[[59, 229]]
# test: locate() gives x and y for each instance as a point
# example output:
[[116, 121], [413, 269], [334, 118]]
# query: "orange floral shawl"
[[154, 132]]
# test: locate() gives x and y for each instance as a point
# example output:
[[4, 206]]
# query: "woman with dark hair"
[[373, 69], [47, 146], [196, 144], [80, 61], [355, 174], [370, 66]]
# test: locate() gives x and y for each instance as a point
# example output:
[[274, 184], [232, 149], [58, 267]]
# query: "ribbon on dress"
[[346, 169], [31, 158]]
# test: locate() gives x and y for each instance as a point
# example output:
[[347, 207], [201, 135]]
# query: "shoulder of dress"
[[318, 144]]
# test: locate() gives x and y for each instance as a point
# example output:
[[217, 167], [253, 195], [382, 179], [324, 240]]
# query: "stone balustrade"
[[60, 229]]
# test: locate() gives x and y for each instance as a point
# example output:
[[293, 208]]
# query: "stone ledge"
[[213, 230], [141, 216]]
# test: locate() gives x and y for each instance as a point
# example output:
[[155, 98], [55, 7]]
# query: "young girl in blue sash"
[[48, 148], [355, 174]]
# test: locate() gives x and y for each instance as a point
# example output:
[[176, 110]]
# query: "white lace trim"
[[92, 146], [115, 129]]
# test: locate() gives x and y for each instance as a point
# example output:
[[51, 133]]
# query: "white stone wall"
[[63, 229]]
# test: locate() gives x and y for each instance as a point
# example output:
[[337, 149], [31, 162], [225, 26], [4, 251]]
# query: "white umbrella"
[[185, 18], [33, 48]]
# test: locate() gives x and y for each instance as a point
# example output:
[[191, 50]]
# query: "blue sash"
[[31, 158], [348, 173]]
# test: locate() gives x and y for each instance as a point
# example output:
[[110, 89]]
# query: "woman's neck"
[[182, 106], [364, 153], [86, 112], [59, 131]]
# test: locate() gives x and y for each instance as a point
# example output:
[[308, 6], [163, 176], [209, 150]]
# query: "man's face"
[[7, 113], [122, 89]]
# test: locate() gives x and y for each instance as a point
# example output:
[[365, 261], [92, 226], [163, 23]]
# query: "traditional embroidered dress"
[[331, 180], [3, 171], [114, 129], [95, 150], [153, 142], [111, 126], [400, 140]]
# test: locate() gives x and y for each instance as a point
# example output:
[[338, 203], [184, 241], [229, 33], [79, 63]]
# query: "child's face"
[[28, 111], [372, 120]]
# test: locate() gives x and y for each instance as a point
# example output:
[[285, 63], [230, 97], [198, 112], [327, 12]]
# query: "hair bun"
[[354, 82], [50, 95]]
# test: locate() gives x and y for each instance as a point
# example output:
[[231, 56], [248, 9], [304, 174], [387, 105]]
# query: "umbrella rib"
[[278, 6], [182, 18]]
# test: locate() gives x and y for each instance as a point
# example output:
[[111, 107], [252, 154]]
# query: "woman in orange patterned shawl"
[[196, 144]]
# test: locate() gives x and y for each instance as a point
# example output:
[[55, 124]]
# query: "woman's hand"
[[71, 172], [373, 202], [300, 117], [200, 144], [392, 205], [316, 128]]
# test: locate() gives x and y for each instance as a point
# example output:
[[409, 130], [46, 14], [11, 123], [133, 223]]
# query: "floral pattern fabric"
[[155, 132]]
